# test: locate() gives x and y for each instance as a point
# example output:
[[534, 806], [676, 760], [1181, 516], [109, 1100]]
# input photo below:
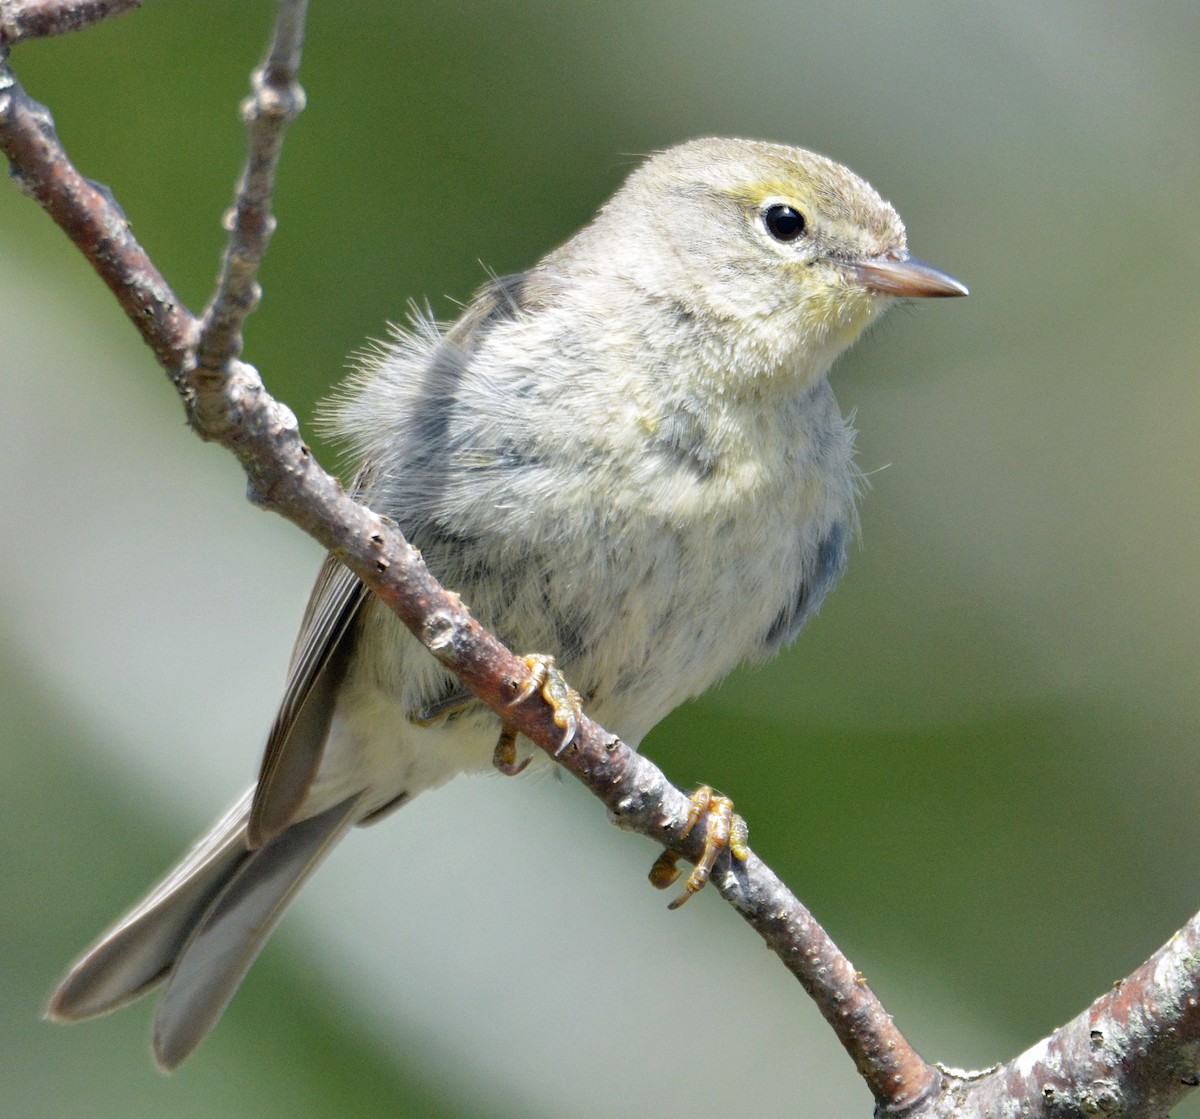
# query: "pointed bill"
[[906, 277]]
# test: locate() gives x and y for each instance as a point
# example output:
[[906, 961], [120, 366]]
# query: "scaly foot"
[[725, 829], [545, 675], [504, 757]]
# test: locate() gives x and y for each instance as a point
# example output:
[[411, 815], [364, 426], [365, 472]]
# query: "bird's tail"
[[200, 929]]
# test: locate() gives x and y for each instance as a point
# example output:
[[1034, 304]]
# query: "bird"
[[628, 458]]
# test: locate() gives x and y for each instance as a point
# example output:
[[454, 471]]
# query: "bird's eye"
[[783, 222]]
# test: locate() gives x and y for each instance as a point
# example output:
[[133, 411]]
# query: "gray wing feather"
[[215, 958], [297, 738]]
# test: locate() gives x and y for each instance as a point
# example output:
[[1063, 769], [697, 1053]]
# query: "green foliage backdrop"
[[978, 765]]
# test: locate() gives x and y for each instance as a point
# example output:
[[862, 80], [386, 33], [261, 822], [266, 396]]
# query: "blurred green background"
[[978, 766]]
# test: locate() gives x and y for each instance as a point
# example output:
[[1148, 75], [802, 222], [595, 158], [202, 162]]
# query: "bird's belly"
[[373, 745]]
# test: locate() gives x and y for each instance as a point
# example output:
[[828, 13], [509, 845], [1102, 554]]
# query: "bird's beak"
[[897, 273]]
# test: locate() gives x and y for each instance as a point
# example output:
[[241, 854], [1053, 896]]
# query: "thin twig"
[[895, 1073], [275, 101], [39, 19]]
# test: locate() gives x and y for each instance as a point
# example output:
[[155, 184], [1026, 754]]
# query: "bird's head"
[[785, 255]]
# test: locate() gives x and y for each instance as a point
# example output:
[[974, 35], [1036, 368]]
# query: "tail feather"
[[228, 938], [200, 929], [137, 952]]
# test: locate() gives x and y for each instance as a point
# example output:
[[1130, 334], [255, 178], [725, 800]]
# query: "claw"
[[545, 676], [504, 757], [726, 829]]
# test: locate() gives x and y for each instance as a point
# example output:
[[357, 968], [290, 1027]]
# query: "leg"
[[726, 829], [504, 757], [545, 676]]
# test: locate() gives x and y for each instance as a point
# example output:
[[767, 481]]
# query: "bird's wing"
[[297, 739]]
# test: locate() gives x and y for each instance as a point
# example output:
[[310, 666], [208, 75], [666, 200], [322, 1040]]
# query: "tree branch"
[[39, 19], [275, 101], [89, 215], [1133, 1052]]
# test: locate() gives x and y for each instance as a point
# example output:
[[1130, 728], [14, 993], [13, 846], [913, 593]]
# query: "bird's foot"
[[726, 829], [504, 757], [545, 676]]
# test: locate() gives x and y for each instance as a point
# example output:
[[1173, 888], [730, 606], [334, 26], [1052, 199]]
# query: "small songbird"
[[627, 458]]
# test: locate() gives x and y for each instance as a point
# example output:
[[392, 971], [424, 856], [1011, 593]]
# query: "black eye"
[[783, 223]]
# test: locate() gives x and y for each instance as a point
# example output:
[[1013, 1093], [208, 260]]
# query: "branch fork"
[[1134, 1052]]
